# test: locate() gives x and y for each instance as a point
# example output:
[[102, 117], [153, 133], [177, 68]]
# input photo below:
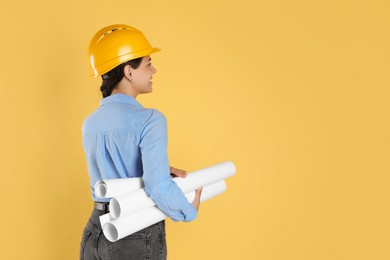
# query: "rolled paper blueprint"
[[129, 203], [208, 192], [104, 219], [116, 187], [138, 200], [206, 176], [125, 226]]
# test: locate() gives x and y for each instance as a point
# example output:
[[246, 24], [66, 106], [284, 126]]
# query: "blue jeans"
[[149, 243]]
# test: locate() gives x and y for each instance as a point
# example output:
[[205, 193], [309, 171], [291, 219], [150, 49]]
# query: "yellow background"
[[295, 93]]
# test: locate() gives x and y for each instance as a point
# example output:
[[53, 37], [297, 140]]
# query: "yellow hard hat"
[[115, 44]]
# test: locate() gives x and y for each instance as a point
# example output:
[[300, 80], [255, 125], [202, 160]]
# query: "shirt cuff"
[[190, 215]]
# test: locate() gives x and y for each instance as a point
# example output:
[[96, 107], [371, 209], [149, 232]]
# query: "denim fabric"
[[149, 243]]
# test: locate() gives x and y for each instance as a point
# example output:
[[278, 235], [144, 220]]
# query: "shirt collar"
[[120, 98]]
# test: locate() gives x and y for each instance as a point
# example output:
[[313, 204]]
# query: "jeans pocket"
[[86, 234], [136, 246]]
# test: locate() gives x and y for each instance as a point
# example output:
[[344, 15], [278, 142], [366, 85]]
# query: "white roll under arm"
[[115, 229], [138, 200], [116, 187]]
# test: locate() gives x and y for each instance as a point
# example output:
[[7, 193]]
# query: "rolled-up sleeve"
[[156, 173]]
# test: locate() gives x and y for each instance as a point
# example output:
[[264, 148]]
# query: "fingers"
[[196, 201], [199, 192], [178, 172]]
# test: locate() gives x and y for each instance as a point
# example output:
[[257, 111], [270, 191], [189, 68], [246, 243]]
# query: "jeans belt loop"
[[104, 206]]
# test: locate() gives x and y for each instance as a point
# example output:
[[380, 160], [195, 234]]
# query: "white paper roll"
[[138, 200], [122, 227], [104, 219], [206, 176], [125, 226], [129, 203], [208, 192], [116, 187]]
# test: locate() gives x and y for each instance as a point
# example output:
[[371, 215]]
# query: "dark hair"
[[114, 76]]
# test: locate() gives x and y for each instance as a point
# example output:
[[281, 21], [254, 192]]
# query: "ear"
[[127, 70]]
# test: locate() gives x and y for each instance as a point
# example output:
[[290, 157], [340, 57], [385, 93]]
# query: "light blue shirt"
[[122, 139]]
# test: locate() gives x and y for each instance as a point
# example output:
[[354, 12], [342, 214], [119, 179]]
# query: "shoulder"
[[90, 122], [155, 124], [154, 116]]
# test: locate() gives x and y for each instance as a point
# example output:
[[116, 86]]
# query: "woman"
[[122, 139]]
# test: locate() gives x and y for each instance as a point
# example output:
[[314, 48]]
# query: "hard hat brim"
[[102, 69]]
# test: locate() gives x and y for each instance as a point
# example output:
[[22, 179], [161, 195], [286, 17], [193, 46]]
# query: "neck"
[[124, 89]]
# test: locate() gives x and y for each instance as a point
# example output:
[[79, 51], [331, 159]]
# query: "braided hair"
[[114, 76]]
